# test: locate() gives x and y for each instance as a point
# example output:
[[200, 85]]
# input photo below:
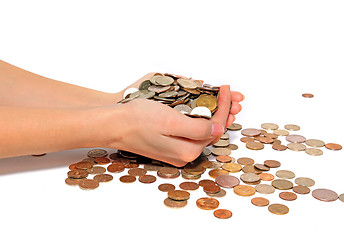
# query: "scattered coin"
[[72, 166], [166, 187], [222, 213], [307, 95], [333, 146], [178, 195], [205, 182], [282, 184], [189, 186], [245, 161], [288, 196], [251, 169], [233, 146], [296, 146], [88, 184], [281, 132], [78, 173], [262, 167], [235, 127], [115, 167], [244, 190], [97, 153], [221, 143], [265, 189], [211, 189], [207, 203], [279, 147], [221, 151], [232, 167], [314, 151], [301, 189], [251, 132], [175, 204], [96, 170], [225, 136], [249, 178], [286, 174], [255, 145], [292, 127], [221, 193], [269, 126], [137, 172], [72, 181], [168, 172], [325, 195], [102, 160], [127, 179], [266, 176], [260, 201], [83, 165], [224, 158], [295, 138], [278, 209], [147, 178], [341, 197], [227, 181], [315, 143], [247, 139]]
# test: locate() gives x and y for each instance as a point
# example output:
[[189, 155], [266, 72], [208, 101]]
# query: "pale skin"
[[42, 115]]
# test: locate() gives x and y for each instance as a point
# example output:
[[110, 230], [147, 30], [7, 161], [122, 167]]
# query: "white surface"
[[272, 51]]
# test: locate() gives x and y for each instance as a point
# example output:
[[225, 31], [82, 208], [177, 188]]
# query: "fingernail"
[[217, 129]]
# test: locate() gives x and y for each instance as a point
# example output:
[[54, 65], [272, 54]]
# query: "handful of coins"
[[191, 97]]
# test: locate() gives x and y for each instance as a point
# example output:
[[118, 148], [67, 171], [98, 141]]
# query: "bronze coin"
[[211, 189], [88, 184], [325, 195], [255, 145], [251, 132], [214, 173], [263, 139], [282, 184], [222, 213], [262, 167], [78, 173], [333, 146], [265, 189], [83, 165], [277, 142], [166, 187], [272, 163], [72, 166], [296, 147], [220, 151], [205, 182], [227, 181], [72, 181], [189, 186], [194, 169], [304, 181], [251, 169], [288, 196], [245, 161], [97, 153], [246, 139], [249, 177], [152, 167], [269, 126], [175, 204], [281, 132], [260, 201], [301, 189], [147, 179], [234, 127], [137, 172], [279, 147], [224, 158], [266, 177], [131, 165], [102, 160], [292, 127], [189, 176], [231, 167], [271, 135], [307, 95], [278, 209], [115, 167], [233, 146], [97, 170], [168, 172], [127, 179], [243, 190], [103, 177], [222, 193], [178, 195], [285, 174], [207, 203]]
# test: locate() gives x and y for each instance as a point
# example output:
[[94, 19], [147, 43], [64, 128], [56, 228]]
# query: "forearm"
[[23, 88]]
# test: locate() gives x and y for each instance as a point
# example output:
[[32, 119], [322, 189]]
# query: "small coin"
[[292, 127], [97, 153], [102, 160], [251, 169], [227, 181], [164, 80], [272, 163], [207, 203], [307, 95], [115, 167], [88, 184], [211, 189], [244, 190], [260, 201], [221, 151], [304, 181], [234, 127], [152, 167], [221, 143], [249, 177], [288, 196], [266, 177], [265, 189], [315, 143], [214, 173], [166, 187], [147, 178], [97, 170], [251, 132], [103, 177], [225, 136], [295, 138], [206, 100], [333, 146], [278, 209], [285, 174], [263, 139], [205, 182], [137, 172], [282, 184], [255, 145], [178, 195], [72, 181], [224, 158], [222, 213], [72, 166], [233, 146], [301, 189], [325, 195], [262, 167], [281, 132], [314, 151], [245, 161], [127, 179], [189, 186], [206, 151], [175, 204], [232, 167], [186, 83], [341, 197], [221, 193], [83, 165], [269, 126], [183, 108], [168, 172], [279, 147], [78, 173], [247, 139], [296, 147]]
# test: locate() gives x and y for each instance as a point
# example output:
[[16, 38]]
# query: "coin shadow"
[[48, 161]]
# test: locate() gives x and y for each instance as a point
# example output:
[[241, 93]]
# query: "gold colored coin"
[[304, 181], [245, 161], [278, 209], [221, 143], [265, 189], [315, 143], [292, 127], [269, 126], [214, 173], [286, 174], [232, 167], [314, 151], [209, 101], [235, 127], [282, 184], [296, 146], [260, 201], [281, 132], [244, 190], [255, 145], [207, 203]]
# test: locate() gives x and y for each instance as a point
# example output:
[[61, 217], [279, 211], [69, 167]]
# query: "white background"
[[271, 51]]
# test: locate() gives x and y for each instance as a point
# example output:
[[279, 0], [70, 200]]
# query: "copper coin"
[[178, 195], [307, 95], [243, 190], [333, 146], [288, 196], [189, 186], [277, 142], [227, 181], [175, 204], [235, 127], [295, 138], [131, 165], [72, 181], [147, 179], [222, 213], [246, 139], [279, 147], [225, 136], [272, 163], [265, 189], [301, 189], [266, 140], [224, 158], [97, 170], [115, 167], [72, 166], [292, 127], [214, 173], [260, 201], [304, 181], [103, 177], [325, 195], [231, 167], [255, 145], [78, 173], [282, 184], [205, 182], [211, 189], [251, 169], [285, 174], [194, 169], [152, 167], [127, 179], [88, 184], [271, 135], [251, 132], [266, 176], [83, 165], [221, 193], [168, 172], [262, 167], [137, 172], [207, 203], [102, 160], [97, 153], [245, 161], [166, 187], [278, 209]]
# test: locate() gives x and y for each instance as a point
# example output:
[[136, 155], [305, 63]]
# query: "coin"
[[206, 151], [341, 197], [325, 195], [263, 139], [286, 174], [186, 83], [278, 209], [127, 179], [307, 95], [296, 146], [147, 178], [115, 167], [164, 80], [272, 163], [221, 143], [245, 161], [96, 170], [189, 186], [266, 177], [222, 213], [251, 169], [279, 147], [178, 195], [166, 187], [265, 189], [78, 173], [183, 108], [211, 189], [220, 151], [292, 127], [227, 181], [234, 127], [137, 172], [260, 201], [304, 181], [97, 153], [72, 166], [221, 193], [269, 126], [102, 160], [262, 167], [250, 132], [103, 177], [314, 151], [333, 146], [295, 138], [175, 204], [205, 100], [244, 190], [249, 177], [282, 184], [207, 203], [205, 182], [224, 158], [315, 143], [281, 132], [83, 165], [232, 146], [72, 181], [255, 145], [247, 139], [288, 196], [301, 189], [152, 167], [88, 184], [231, 167], [225, 136], [168, 172]]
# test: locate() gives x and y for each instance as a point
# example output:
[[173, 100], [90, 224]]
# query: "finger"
[[224, 103], [236, 108], [230, 120], [237, 96]]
